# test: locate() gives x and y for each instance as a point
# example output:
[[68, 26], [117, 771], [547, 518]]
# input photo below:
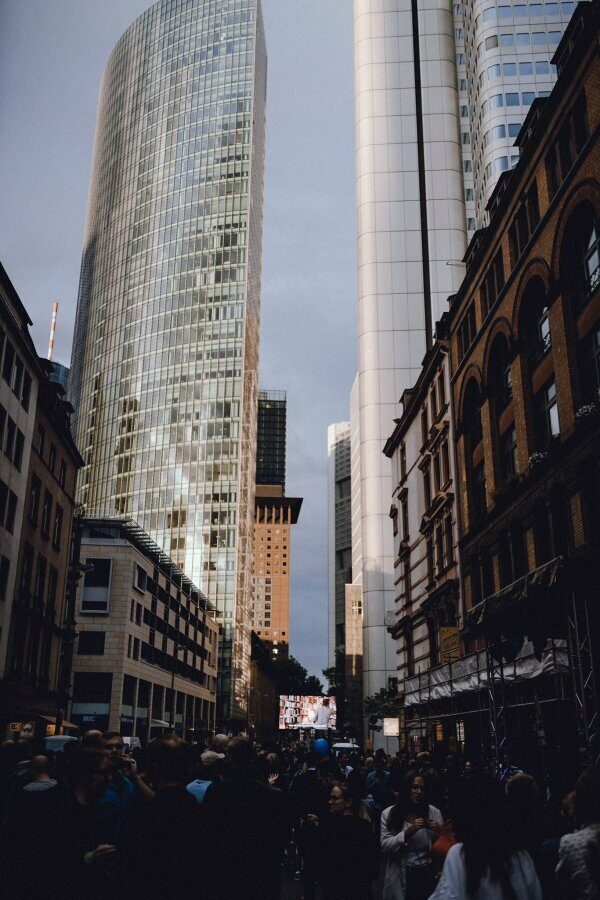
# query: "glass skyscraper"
[[165, 353]]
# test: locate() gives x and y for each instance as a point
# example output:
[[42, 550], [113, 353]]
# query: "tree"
[[336, 676], [378, 706], [313, 687], [292, 678]]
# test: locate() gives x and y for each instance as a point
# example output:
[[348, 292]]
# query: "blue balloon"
[[322, 746]]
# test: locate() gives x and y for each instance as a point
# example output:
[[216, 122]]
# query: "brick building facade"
[[524, 334]]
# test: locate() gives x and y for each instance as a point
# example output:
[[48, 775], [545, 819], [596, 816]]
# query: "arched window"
[[580, 255], [471, 417], [535, 321], [499, 373]]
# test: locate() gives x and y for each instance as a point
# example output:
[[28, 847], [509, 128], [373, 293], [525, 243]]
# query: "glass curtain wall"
[[165, 355]]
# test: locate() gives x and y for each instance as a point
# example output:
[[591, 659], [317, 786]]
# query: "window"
[[580, 255], [52, 458], [542, 67], [3, 501], [536, 10], [41, 440], [489, 14], [527, 98], [91, 643], [403, 461], [501, 163], [510, 69], [34, 499], [11, 512], [46, 513], [427, 488], [139, 578], [18, 452], [507, 40], [525, 68], [95, 595], [430, 568], [40, 579], [26, 391], [449, 539], [504, 12], [466, 332], [538, 38], [404, 508], [439, 548], [508, 454], [441, 384], [546, 414], [479, 492], [520, 10], [52, 588], [4, 570], [495, 71], [9, 438], [496, 100], [63, 474], [514, 128], [17, 376], [590, 381], [424, 425], [512, 99], [9, 359], [554, 37], [491, 42], [57, 530]]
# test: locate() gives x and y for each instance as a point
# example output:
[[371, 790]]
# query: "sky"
[[52, 54]]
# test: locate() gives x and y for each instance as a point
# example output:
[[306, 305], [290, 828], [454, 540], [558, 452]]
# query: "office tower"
[[274, 516], [165, 353], [270, 439], [435, 87], [339, 536]]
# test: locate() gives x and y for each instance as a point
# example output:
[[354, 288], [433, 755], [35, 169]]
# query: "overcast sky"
[[52, 53]]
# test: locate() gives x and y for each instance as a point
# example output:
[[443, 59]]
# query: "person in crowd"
[[56, 838], [368, 766], [525, 814], [123, 790], [578, 869], [378, 786], [344, 763], [219, 743], [485, 864], [211, 770], [308, 798], [348, 853], [39, 775], [408, 830], [92, 738], [249, 825], [161, 841]]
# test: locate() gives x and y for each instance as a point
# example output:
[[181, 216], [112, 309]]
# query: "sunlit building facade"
[[165, 354]]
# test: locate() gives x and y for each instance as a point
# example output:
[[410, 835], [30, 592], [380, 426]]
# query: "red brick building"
[[524, 334]]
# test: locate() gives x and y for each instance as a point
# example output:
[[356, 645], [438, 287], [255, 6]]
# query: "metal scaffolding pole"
[[497, 711], [584, 682]]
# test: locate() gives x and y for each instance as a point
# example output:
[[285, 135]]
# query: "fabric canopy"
[[530, 607]]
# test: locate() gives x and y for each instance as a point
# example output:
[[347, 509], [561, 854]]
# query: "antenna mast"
[[52, 329]]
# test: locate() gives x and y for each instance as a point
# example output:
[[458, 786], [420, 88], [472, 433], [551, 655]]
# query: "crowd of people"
[[225, 821]]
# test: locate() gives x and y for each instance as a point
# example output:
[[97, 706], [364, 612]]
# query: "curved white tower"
[[410, 222]]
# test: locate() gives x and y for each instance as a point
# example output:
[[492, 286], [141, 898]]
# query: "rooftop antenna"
[[52, 329]]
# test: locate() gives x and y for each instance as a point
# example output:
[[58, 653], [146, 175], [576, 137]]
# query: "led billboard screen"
[[306, 712]]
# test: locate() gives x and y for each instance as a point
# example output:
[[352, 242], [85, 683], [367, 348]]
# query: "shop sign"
[[15, 726], [449, 643], [27, 730]]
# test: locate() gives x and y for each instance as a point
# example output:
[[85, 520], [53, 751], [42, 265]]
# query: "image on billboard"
[[306, 712]]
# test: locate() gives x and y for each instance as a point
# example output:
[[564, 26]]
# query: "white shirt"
[[322, 717], [453, 883]]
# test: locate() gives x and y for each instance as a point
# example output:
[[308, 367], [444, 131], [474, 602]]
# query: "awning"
[[531, 607], [64, 724]]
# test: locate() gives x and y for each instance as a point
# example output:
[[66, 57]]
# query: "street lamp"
[[176, 648]]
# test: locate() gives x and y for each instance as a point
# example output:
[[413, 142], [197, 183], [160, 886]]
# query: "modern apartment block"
[[440, 92], [165, 353], [147, 643], [339, 533], [274, 515]]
